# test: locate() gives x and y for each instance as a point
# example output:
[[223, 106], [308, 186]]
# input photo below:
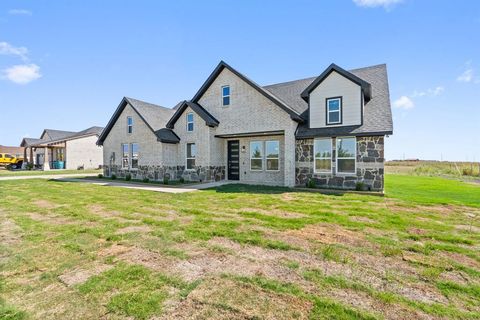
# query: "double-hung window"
[[346, 154], [322, 150], [129, 124], [125, 155], [225, 96], [134, 150], [334, 110], [190, 122], [191, 154], [272, 151], [256, 155]]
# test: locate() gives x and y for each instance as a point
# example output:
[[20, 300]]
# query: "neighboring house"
[[57, 149], [17, 152], [328, 129]]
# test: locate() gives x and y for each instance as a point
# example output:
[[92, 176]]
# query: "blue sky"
[[67, 64]]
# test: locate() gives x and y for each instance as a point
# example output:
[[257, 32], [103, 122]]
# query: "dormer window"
[[190, 122], [334, 110], [225, 96], [129, 124]]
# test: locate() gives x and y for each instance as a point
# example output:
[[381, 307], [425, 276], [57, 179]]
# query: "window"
[[256, 155], [322, 150], [346, 154], [272, 151], [225, 95], [134, 150], [129, 124], [8, 156], [190, 122], [334, 110], [125, 155], [191, 153]]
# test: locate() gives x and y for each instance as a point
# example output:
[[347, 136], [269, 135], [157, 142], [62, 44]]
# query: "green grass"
[[379, 247], [8, 173], [432, 190]]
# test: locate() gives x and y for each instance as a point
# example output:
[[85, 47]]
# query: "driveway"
[[49, 176]]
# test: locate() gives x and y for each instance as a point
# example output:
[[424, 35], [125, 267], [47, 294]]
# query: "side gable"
[[366, 87], [222, 65], [204, 114], [145, 111]]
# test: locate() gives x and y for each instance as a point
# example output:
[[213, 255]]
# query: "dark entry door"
[[233, 160]]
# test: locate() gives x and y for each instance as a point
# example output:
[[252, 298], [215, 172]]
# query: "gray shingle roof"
[[156, 116], [198, 109], [377, 116], [57, 134], [167, 136]]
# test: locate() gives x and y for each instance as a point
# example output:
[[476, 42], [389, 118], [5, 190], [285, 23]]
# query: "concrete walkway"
[[49, 176], [149, 187]]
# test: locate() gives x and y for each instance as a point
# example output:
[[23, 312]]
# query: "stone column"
[[46, 160], [32, 161], [289, 150]]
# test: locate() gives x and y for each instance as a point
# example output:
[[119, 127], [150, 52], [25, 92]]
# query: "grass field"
[[78, 251], [9, 173], [434, 168]]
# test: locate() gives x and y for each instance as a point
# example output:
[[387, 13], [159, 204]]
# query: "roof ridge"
[[368, 67], [153, 104]]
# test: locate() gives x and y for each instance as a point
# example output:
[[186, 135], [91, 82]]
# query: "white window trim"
[[354, 157], [265, 156], [128, 156], [315, 158], [262, 158], [129, 125], [187, 158], [339, 111], [192, 122], [229, 96]]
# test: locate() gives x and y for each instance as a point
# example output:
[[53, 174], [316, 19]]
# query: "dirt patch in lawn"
[[81, 275], [102, 212], [462, 259], [362, 219], [45, 204], [10, 233], [49, 218], [468, 228], [330, 234], [228, 299], [113, 250], [274, 213], [130, 229]]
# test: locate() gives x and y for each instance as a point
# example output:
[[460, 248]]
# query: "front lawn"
[[74, 250]]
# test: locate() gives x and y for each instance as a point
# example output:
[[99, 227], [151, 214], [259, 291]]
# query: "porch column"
[[46, 160], [25, 159], [32, 161]]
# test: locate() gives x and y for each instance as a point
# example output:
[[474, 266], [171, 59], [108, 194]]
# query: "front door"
[[233, 160]]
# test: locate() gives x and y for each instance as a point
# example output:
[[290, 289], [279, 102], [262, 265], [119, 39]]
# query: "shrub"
[[128, 177], [29, 166], [146, 180], [100, 176], [311, 183], [114, 176], [181, 180], [360, 186], [467, 172], [165, 180]]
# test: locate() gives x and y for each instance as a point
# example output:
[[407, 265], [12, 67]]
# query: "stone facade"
[[369, 166], [158, 173]]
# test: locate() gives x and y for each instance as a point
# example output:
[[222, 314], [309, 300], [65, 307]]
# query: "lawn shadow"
[[263, 189]]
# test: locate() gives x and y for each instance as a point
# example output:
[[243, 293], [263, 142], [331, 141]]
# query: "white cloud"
[[20, 12], [376, 3], [404, 102], [466, 76], [431, 92], [8, 49], [22, 74]]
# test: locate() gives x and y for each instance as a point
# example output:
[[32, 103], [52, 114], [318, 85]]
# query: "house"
[[57, 149], [328, 130]]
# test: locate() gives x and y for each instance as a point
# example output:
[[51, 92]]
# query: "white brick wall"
[[149, 148]]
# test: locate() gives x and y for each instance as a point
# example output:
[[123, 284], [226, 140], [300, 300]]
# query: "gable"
[[248, 111], [336, 85], [268, 95]]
